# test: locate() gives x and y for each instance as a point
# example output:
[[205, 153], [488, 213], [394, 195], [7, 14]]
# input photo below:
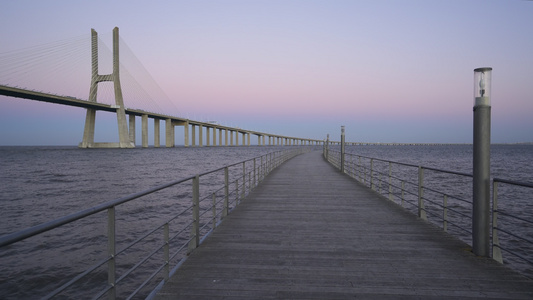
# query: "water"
[[44, 183]]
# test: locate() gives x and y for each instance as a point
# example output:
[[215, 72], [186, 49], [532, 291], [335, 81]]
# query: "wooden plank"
[[309, 232]]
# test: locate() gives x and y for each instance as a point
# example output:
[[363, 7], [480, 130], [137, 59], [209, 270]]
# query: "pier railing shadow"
[[140, 252], [444, 198]]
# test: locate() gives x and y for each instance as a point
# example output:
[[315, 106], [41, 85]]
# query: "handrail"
[[31, 231], [498, 215], [357, 170], [231, 191]]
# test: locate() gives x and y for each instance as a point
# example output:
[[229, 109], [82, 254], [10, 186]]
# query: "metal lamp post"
[[481, 183]]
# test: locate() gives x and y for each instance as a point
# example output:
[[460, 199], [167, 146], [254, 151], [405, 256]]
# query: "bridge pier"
[[186, 134], [132, 128], [226, 138], [144, 130], [169, 133], [200, 136], [156, 133], [207, 137], [193, 140], [88, 131]]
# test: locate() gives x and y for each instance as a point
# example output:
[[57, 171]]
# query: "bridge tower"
[[88, 132]]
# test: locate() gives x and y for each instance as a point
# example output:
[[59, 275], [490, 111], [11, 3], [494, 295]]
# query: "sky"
[[388, 70]]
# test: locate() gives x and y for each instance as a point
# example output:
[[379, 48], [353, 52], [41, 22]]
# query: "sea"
[[43, 183]]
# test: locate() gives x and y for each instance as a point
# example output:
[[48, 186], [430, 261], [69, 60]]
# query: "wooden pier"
[[309, 232]]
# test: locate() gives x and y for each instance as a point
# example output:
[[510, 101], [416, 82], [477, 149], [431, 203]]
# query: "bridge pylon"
[[90, 119]]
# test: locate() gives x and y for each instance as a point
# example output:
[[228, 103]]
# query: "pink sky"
[[389, 71]]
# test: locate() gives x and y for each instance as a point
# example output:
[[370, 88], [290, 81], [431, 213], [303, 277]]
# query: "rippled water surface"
[[40, 184]]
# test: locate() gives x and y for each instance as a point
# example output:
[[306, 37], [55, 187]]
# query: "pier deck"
[[309, 232]]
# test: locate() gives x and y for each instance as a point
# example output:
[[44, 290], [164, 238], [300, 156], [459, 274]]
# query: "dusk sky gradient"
[[390, 71]]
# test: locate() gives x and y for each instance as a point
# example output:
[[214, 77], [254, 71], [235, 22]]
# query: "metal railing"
[[444, 198], [512, 223], [164, 246], [414, 188]]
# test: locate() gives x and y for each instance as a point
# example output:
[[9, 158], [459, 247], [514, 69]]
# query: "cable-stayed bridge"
[[55, 70]]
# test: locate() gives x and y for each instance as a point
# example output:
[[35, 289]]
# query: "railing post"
[[327, 148], [111, 252], [372, 173], [261, 170], [360, 171], [421, 208], [195, 229], [166, 251], [403, 188], [496, 251], [226, 193], [445, 214], [254, 173], [243, 179], [237, 196], [214, 211], [270, 163], [390, 181]]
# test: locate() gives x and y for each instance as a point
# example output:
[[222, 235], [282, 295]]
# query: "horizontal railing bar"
[[182, 247], [409, 165], [138, 264], [76, 278], [179, 232], [139, 239], [146, 281], [460, 213], [205, 225], [450, 223], [514, 235], [29, 232], [102, 292], [444, 194], [515, 254], [179, 214], [524, 184], [513, 217]]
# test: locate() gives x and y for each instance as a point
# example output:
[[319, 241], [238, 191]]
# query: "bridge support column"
[[88, 132], [200, 136], [156, 133], [248, 138], [186, 134], [226, 137], [132, 128], [144, 129], [207, 136], [169, 133], [193, 140]]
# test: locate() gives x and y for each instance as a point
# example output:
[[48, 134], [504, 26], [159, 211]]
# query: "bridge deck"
[[309, 232]]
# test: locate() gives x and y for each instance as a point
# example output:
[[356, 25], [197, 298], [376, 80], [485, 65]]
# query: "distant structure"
[[88, 132]]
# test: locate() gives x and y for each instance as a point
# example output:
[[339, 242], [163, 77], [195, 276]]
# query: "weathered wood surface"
[[308, 232]]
